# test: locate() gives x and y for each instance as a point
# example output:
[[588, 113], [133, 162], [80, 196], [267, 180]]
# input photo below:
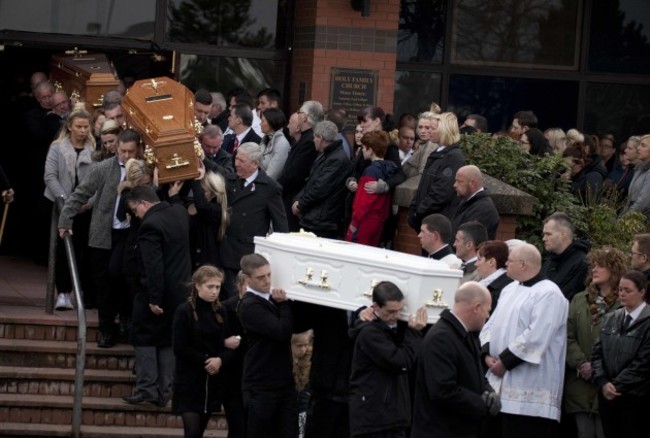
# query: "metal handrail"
[[81, 311]]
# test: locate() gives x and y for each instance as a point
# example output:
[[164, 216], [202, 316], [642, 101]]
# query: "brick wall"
[[329, 33]]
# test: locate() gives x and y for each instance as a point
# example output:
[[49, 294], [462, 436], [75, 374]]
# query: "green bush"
[[503, 159]]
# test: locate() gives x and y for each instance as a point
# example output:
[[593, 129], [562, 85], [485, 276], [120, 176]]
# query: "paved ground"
[[23, 286]]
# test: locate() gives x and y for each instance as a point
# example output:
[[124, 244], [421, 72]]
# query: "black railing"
[[81, 311]]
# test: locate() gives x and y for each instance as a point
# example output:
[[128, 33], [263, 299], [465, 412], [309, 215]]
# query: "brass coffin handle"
[[177, 161]]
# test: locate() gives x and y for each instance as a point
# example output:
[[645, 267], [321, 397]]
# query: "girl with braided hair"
[[199, 333]]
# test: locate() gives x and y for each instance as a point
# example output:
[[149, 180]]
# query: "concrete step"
[[60, 381], [16, 430], [63, 354], [96, 411]]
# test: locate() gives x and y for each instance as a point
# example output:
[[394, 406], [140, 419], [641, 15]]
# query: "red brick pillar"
[[329, 33]]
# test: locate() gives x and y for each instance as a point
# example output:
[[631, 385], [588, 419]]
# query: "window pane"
[[222, 73], [233, 23], [414, 91], [421, 33], [117, 18], [622, 110], [530, 33], [498, 99], [620, 37]]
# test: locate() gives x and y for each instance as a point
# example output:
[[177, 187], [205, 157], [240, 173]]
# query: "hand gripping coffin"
[[342, 274]]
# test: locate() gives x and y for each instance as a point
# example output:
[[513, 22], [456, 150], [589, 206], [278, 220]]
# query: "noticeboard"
[[353, 90]]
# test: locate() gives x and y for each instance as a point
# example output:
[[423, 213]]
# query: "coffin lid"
[[161, 109]]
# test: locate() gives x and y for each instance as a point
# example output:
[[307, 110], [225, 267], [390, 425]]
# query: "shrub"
[[503, 159]]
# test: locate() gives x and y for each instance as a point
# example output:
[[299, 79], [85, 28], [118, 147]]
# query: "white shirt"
[[531, 322], [266, 296], [493, 276], [636, 312]]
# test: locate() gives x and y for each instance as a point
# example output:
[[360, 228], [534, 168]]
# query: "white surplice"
[[531, 322]]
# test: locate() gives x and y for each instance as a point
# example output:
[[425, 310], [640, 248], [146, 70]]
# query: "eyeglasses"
[[134, 207], [515, 261], [637, 253]]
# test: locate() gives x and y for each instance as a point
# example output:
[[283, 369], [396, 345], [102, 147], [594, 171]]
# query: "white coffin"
[[342, 274]]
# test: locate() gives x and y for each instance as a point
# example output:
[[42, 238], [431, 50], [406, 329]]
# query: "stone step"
[[96, 411], [19, 430], [63, 354], [31, 322], [60, 381]]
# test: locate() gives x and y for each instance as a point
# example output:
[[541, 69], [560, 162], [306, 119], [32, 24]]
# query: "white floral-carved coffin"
[[342, 274]]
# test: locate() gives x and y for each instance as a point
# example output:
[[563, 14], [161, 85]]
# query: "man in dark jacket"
[[384, 351], [320, 204], [166, 269], [269, 394], [300, 159], [474, 203], [255, 201], [452, 395], [566, 264]]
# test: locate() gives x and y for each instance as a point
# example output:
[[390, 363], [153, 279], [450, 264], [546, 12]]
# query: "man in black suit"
[[300, 159], [474, 203], [240, 121], [255, 201], [452, 395], [166, 269], [268, 389]]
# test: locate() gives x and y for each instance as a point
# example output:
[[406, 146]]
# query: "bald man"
[[473, 202], [452, 396], [525, 342]]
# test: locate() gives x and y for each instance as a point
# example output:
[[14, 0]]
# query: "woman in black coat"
[[621, 361], [199, 336]]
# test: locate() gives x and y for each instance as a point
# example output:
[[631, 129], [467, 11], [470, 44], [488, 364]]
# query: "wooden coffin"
[[162, 111], [342, 274], [84, 76]]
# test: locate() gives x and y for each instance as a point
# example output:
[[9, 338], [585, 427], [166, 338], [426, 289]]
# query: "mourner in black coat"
[[164, 257], [473, 202], [200, 332], [296, 170], [452, 395], [384, 351], [268, 388], [255, 202]]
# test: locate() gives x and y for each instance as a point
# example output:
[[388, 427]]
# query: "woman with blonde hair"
[[68, 162], [586, 312], [209, 218], [557, 139], [435, 192]]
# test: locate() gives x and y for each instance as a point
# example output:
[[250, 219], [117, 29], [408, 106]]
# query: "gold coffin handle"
[[177, 161], [436, 301]]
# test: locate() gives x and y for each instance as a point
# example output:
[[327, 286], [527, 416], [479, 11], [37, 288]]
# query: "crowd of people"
[[532, 345]]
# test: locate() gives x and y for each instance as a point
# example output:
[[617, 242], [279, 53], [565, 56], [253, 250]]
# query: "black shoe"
[[106, 341], [139, 398], [134, 399]]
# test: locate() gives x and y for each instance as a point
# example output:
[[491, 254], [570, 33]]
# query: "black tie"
[[242, 182], [628, 320]]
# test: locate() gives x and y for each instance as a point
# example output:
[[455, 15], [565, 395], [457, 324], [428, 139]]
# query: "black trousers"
[[327, 418], [110, 285], [272, 413], [624, 417], [518, 426]]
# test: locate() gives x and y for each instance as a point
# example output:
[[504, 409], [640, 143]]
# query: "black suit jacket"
[[229, 141], [479, 208], [296, 171], [253, 208], [449, 383], [267, 329]]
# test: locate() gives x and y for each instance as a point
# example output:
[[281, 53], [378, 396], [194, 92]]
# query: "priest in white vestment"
[[525, 339]]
